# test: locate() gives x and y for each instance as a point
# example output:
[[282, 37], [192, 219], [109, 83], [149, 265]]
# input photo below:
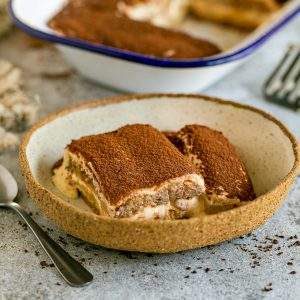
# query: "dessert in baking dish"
[[226, 179], [246, 14], [163, 13], [138, 172], [106, 22], [133, 172]]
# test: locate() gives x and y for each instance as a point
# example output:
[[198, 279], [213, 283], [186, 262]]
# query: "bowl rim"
[[131, 56], [26, 170]]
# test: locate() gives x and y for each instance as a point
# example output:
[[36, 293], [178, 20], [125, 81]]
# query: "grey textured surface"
[[257, 266]]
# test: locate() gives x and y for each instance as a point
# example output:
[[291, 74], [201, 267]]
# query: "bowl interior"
[[262, 144]]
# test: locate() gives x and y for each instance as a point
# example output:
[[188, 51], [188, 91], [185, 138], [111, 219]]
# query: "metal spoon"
[[71, 270]]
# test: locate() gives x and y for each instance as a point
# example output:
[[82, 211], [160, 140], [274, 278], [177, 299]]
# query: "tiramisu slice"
[[246, 14], [106, 23], [133, 172], [226, 179]]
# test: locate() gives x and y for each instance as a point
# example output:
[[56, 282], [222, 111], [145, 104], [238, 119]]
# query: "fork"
[[283, 86]]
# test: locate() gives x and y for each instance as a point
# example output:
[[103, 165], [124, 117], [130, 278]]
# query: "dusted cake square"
[[133, 172], [227, 181]]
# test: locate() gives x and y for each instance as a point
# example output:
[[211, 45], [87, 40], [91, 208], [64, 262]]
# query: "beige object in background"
[[246, 14], [271, 158], [17, 111], [8, 140], [5, 23]]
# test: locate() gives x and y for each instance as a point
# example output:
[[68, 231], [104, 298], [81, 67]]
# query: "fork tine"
[[274, 84], [283, 86], [294, 96], [289, 82]]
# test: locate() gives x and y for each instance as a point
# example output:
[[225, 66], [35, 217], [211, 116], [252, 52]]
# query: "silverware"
[[71, 270], [283, 87]]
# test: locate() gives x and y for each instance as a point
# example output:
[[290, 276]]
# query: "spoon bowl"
[[71, 270], [8, 187]]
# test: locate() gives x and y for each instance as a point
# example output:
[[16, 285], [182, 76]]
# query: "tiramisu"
[[246, 14], [108, 22], [162, 13], [133, 172], [226, 179]]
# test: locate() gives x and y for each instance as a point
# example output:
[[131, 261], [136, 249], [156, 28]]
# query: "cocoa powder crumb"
[[24, 225], [279, 236], [297, 243], [43, 264], [267, 289]]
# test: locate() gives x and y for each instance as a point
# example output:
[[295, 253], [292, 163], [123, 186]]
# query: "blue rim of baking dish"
[[153, 61]]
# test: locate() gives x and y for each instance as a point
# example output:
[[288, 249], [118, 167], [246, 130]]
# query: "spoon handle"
[[71, 270]]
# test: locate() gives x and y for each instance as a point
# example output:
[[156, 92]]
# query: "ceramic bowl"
[[267, 148]]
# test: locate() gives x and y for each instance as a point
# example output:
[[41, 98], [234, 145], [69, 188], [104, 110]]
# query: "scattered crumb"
[[267, 289], [44, 264]]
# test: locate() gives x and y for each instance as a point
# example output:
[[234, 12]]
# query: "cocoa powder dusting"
[[131, 158], [100, 22], [220, 165]]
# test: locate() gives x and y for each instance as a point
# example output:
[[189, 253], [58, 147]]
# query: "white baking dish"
[[134, 72]]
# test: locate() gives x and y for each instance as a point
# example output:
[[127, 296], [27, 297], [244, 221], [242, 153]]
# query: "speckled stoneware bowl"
[[269, 151]]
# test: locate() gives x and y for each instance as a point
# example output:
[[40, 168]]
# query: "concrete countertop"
[[261, 265]]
